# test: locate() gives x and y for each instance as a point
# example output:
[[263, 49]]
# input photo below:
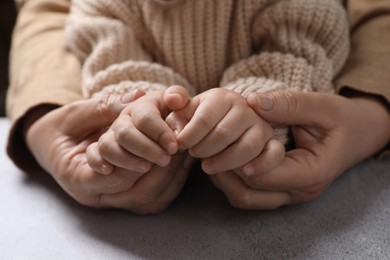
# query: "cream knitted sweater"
[[242, 45]]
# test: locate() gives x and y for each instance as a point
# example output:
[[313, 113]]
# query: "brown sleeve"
[[42, 71], [365, 69]]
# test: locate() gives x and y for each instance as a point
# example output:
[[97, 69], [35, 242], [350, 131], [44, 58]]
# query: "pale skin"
[[327, 145], [59, 140], [331, 132], [220, 128], [217, 126]]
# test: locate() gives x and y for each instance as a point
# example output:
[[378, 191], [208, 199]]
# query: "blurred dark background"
[[7, 21]]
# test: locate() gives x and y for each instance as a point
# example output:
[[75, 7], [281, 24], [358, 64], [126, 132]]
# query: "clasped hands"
[[141, 162], [216, 126]]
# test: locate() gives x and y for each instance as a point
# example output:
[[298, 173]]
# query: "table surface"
[[351, 220]]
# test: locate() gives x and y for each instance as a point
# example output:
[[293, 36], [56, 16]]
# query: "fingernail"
[[248, 170], [172, 147], [105, 169], [144, 166], [127, 98], [207, 168], [264, 101], [164, 160]]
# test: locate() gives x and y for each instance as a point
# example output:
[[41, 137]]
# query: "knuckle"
[[143, 119], [230, 95], [222, 132], [251, 148], [204, 119], [292, 103], [104, 145], [314, 173], [121, 133], [290, 100], [147, 152]]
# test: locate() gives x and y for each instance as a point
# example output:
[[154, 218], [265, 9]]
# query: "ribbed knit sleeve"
[[301, 46], [103, 34]]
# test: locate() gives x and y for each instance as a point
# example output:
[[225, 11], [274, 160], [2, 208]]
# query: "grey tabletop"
[[351, 220]]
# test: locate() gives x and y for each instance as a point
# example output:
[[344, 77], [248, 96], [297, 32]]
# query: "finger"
[[148, 120], [299, 169], [120, 180], [96, 162], [117, 155], [272, 155], [205, 118], [226, 132], [170, 192], [146, 190], [178, 119], [92, 114], [176, 97], [176, 122], [242, 196], [247, 147], [295, 108], [89, 183]]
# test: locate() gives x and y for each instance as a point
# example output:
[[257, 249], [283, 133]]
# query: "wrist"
[[364, 97], [34, 115]]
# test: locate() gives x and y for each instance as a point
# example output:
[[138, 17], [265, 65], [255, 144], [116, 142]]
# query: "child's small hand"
[[219, 127], [139, 136]]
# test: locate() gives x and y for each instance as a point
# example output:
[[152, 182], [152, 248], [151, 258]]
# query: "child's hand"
[[139, 137], [219, 127], [59, 139]]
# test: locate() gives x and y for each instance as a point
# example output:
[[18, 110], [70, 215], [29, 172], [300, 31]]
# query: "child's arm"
[[297, 47], [113, 54]]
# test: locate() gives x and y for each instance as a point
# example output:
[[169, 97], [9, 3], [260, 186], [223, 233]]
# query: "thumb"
[[178, 120], [176, 97], [87, 116], [294, 108]]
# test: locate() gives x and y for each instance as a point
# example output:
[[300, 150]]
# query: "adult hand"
[[331, 133], [59, 140]]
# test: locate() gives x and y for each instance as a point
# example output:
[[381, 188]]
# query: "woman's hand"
[[59, 140], [331, 133]]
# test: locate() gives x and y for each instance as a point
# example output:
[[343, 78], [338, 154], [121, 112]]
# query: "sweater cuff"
[[128, 86], [245, 86]]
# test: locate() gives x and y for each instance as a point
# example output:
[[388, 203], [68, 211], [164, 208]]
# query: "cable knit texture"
[[243, 45]]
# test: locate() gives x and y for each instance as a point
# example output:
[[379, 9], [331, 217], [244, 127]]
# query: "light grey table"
[[349, 221]]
